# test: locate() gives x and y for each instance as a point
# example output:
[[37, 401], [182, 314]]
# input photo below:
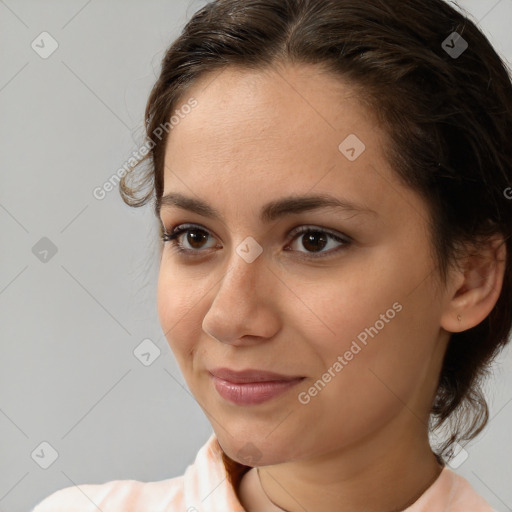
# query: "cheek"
[[335, 310], [385, 334], [387, 361], [178, 304], [362, 386]]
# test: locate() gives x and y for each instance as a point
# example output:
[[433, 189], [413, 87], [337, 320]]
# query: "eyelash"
[[184, 228]]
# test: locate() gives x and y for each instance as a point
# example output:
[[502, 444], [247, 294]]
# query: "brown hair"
[[449, 119]]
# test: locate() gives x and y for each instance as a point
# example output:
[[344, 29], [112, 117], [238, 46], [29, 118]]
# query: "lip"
[[250, 387], [250, 376]]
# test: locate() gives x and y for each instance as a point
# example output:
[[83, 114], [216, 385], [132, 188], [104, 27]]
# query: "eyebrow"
[[269, 212]]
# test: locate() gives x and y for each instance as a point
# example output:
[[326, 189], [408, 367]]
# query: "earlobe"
[[475, 288]]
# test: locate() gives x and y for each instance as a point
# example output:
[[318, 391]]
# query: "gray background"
[[69, 325]]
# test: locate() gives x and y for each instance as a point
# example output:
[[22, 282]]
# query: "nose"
[[245, 308]]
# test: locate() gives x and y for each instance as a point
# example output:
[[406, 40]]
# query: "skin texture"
[[255, 137]]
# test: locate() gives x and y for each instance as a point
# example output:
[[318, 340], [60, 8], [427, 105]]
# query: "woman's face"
[[352, 306]]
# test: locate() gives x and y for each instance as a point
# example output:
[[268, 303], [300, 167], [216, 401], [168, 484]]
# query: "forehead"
[[248, 102], [293, 116], [255, 136]]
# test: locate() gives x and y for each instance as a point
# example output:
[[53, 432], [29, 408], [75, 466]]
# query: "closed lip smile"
[[251, 387]]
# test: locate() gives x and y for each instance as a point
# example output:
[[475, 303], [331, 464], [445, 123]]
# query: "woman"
[[331, 178]]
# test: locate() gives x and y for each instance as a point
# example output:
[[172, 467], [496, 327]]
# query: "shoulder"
[[464, 497], [451, 492], [207, 477], [116, 496]]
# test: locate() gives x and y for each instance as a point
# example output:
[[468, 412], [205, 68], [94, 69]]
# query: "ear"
[[475, 287]]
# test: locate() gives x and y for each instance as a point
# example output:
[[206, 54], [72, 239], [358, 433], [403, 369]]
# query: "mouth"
[[251, 376], [250, 387]]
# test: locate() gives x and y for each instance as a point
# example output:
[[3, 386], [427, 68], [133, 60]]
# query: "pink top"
[[205, 488]]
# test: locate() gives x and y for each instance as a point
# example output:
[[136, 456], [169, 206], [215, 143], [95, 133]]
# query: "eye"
[[313, 239], [195, 237], [316, 239]]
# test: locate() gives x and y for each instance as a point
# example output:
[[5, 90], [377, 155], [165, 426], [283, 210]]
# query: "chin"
[[256, 450]]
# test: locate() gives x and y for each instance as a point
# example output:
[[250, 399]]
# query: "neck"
[[373, 476]]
